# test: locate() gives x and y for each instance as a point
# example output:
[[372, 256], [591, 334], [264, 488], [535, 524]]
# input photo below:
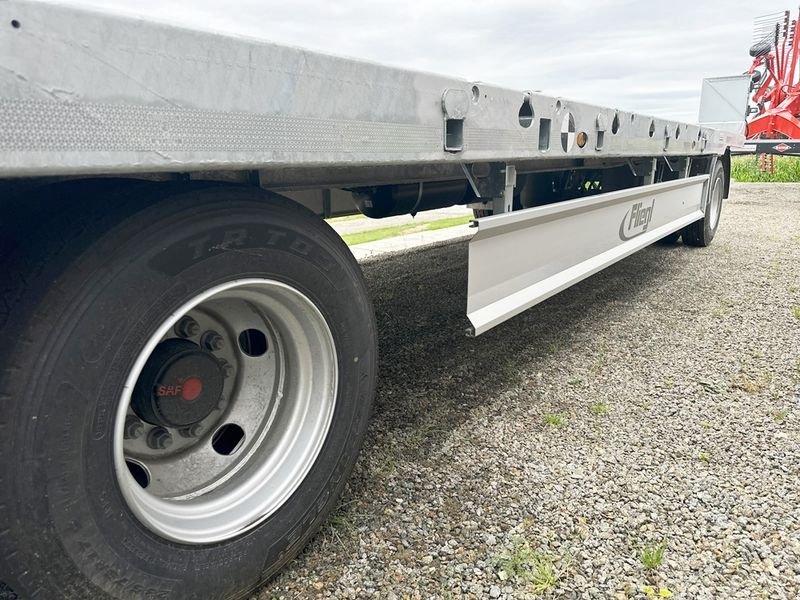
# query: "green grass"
[[554, 420], [704, 456], [449, 222], [372, 235], [599, 408], [779, 415], [748, 168], [528, 566], [796, 312], [653, 556]]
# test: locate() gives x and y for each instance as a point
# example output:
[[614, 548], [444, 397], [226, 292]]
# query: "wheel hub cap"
[[179, 386]]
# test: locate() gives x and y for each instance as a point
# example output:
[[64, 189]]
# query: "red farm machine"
[[774, 101]]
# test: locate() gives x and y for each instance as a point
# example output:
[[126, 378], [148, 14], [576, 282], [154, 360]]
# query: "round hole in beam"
[[476, 94], [526, 113]]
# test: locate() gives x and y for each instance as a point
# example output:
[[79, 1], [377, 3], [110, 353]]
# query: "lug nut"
[[133, 427], [159, 438], [187, 327], [211, 340], [192, 431], [226, 368]]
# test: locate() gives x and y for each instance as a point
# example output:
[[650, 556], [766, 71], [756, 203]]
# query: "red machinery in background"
[[774, 75]]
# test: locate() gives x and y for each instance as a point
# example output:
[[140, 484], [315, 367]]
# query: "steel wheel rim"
[[220, 498], [716, 203]]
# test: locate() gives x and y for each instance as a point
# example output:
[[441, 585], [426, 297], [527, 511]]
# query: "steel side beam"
[[519, 259]]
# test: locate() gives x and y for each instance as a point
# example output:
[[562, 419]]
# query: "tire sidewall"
[[105, 309], [717, 178]]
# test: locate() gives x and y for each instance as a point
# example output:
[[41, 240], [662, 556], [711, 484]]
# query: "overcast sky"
[[647, 56]]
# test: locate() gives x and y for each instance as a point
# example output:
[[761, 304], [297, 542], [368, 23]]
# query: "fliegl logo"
[[636, 220]]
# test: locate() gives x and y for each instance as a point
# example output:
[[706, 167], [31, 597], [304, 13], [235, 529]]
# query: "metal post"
[[505, 203]]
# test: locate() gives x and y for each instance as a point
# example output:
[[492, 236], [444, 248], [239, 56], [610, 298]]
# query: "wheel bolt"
[[133, 427], [211, 340], [226, 368], [159, 438], [187, 327], [192, 431]]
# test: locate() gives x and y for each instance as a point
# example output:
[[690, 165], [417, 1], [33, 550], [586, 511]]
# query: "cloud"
[[636, 55]]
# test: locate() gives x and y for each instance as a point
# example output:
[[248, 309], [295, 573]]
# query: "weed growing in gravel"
[[341, 529], [599, 408], [796, 312], [527, 566], [780, 414], [601, 360], [577, 381], [750, 384], [656, 592], [668, 383], [704, 456], [653, 556], [554, 420], [723, 309]]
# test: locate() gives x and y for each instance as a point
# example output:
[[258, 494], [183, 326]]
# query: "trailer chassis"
[[193, 353]]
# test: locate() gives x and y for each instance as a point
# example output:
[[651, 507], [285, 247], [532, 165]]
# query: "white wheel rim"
[[716, 203], [282, 402]]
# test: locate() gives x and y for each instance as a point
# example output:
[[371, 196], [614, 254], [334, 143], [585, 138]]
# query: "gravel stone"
[[695, 354]]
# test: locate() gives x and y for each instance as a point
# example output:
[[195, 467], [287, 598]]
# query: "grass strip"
[[373, 235], [748, 169]]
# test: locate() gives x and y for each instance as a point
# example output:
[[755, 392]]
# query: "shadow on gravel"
[[6, 593], [431, 374]]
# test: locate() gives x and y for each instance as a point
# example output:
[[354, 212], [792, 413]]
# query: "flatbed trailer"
[[190, 354]]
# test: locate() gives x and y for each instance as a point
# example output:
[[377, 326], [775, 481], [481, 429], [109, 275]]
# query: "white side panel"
[[518, 259], [723, 103]]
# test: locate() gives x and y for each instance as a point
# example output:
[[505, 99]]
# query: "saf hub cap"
[[180, 385]]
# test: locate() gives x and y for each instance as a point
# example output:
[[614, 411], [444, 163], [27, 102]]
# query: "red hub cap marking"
[[192, 388]]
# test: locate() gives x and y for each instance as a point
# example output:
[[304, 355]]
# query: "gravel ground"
[[656, 404]]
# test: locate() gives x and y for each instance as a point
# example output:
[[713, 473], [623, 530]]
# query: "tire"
[[98, 285], [702, 232]]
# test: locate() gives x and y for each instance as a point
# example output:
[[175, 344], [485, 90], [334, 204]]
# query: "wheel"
[[700, 233], [670, 239], [186, 394]]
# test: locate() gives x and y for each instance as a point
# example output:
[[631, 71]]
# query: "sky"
[[645, 56]]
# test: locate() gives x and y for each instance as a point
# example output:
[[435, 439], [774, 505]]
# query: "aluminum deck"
[[91, 93]]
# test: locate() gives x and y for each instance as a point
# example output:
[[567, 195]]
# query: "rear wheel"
[[701, 233], [188, 395]]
